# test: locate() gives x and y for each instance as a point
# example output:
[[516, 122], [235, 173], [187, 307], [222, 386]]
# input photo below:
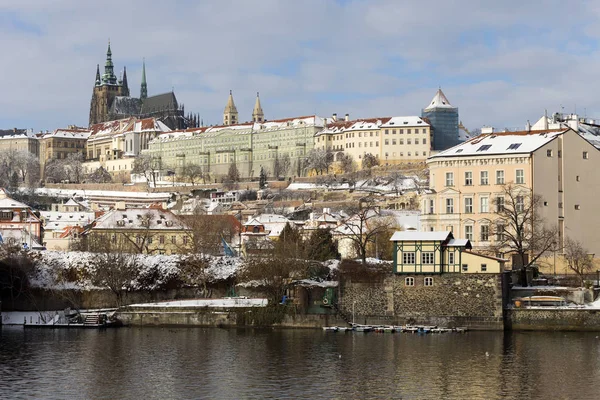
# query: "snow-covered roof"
[[439, 101], [68, 134], [487, 144], [54, 220], [395, 122], [7, 203], [410, 236], [459, 243], [139, 218]]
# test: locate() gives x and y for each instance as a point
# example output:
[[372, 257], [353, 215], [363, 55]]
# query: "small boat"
[[330, 328], [363, 328], [389, 329], [398, 328], [460, 330], [345, 329]]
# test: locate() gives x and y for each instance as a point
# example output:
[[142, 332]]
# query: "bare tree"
[[281, 165], [16, 266], [73, 166], [369, 161], [112, 267], [519, 229], [364, 226], [347, 164], [273, 274], [319, 160], [148, 167], [578, 258], [192, 172], [100, 175]]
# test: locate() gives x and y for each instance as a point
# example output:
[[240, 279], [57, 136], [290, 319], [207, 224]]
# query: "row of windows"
[[484, 178], [427, 257], [409, 154], [408, 131], [401, 141], [484, 206], [410, 281]]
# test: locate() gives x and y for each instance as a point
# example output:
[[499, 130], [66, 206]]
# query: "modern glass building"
[[443, 118]]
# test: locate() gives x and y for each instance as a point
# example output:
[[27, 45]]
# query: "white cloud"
[[501, 63]]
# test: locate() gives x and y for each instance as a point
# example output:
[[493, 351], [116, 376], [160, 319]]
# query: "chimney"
[[528, 126], [487, 129], [334, 117], [347, 117]]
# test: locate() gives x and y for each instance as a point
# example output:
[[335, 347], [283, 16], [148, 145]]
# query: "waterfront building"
[[443, 118], [393, 140], [467, 183], [18, 223], [438, 252], [250, 146]]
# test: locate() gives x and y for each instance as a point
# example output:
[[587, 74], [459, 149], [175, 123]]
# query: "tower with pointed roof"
[[144, 86], [257, 114], [106, 88], [230, 114], [443, 118]]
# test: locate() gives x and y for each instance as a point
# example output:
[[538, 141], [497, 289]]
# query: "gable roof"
[[522, 142], [409, 236]]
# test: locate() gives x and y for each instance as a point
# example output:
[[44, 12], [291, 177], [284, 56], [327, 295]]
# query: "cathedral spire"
[[144, 87], [230, 114], [125, 85], [97, 83], [109, 76], [257, 113]]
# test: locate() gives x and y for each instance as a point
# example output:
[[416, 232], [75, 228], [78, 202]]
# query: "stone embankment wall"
[[552, 319], [473, 300]]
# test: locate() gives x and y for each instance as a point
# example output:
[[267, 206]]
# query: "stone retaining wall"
[[552, 319], [473, 300]]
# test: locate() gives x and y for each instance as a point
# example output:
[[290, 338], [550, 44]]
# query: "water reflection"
[[169, 363]]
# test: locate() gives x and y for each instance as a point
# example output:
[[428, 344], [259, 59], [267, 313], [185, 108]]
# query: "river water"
[[196, 363]]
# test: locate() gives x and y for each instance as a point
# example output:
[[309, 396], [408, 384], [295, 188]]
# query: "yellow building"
[[393, 140], [438, 252], [60, 143], [467, 183], [141, 230]]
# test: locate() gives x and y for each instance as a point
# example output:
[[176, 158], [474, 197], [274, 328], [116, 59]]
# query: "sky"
[[501, 63]]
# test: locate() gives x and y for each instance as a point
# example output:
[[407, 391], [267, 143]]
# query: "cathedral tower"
[[106, 88], [230, 115], [257, 113]]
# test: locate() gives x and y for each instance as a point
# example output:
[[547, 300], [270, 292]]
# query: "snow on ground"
[[221, 303], [53, 266]]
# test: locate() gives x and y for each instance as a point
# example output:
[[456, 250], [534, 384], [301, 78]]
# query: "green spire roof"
[[109, 77], [144, 87]]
